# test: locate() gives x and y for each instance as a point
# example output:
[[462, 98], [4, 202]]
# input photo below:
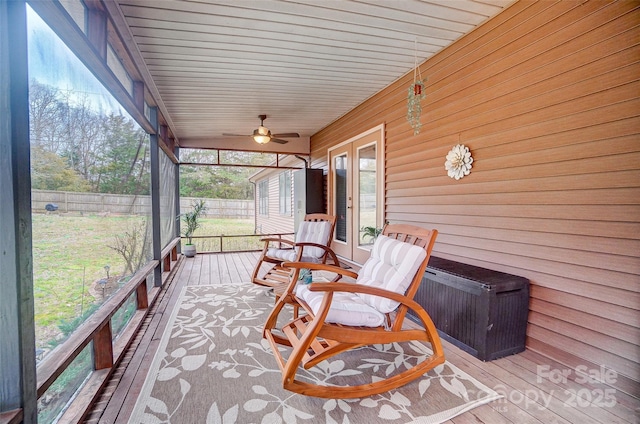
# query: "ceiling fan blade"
[[277, 140], [235, 135], [287, 135]]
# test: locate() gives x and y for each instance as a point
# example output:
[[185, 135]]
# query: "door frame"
[[380, 183]]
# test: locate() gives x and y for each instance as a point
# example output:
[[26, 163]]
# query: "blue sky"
[[52, 63]]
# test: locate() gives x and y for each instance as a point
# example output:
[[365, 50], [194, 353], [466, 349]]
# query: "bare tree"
[[133, 247], [85, 138], [47, 118]]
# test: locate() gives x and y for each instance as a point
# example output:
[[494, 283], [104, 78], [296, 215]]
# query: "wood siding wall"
[[547, 97], [275, 222]]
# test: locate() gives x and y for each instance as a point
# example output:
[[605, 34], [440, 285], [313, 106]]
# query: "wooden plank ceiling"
[[217, 65]]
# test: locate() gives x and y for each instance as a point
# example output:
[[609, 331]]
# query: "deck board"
[[205, 270], [233, 270], [225, 273], [215, 269], [194, 275], [243, 267], [516, 375]]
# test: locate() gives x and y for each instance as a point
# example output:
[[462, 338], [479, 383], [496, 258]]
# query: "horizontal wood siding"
[[547, 97], [275, 222]]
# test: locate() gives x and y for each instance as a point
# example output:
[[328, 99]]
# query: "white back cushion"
[[391, 266], [310, 232], [313, 232]]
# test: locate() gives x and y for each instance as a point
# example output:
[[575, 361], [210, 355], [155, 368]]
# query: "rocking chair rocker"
[[311, 245], [341, 316]]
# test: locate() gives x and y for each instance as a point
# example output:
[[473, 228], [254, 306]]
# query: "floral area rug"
[[213, 366]]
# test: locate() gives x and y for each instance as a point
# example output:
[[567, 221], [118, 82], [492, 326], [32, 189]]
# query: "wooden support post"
[[155, 195], [18, 398], [97, 27], [142, 296], [166, 262], [138, 95], [164, 132], [103, 347], [176, 201]]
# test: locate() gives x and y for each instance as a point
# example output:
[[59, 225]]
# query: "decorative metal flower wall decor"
[[458, 163]]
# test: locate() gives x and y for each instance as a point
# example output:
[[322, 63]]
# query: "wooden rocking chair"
[[345, 315], [311, 245]]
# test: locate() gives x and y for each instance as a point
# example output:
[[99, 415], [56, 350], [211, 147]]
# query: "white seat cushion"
[[346, 308], [285, 255], [391, 266], [289, 255]]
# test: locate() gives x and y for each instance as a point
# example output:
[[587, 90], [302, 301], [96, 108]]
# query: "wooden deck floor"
[[531, 383]]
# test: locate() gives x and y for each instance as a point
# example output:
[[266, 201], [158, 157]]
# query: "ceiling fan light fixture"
[[260, 136]]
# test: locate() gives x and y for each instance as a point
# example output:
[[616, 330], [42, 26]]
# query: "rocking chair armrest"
[[277, 240], [327, 249], [310, 244], [360, 288], [321, 267]]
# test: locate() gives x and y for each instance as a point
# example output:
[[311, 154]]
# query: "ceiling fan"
[[262, 134]]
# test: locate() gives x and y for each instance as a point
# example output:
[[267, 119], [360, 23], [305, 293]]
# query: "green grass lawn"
[[217, 226], [69, 256]]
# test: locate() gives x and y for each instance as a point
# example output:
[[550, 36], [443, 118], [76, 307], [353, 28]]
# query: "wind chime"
[[415, 95]]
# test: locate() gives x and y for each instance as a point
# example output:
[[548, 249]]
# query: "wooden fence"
[[123, 204]]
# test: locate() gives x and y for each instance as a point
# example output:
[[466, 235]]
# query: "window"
[[285, 193], [263, 197]]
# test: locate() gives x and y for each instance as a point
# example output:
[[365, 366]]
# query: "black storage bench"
[[481, 311]]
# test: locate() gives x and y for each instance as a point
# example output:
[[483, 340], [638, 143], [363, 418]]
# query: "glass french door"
[[356, 194]]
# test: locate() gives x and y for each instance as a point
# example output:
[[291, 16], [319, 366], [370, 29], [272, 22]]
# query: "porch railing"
[[234, 243], [107, 350]]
